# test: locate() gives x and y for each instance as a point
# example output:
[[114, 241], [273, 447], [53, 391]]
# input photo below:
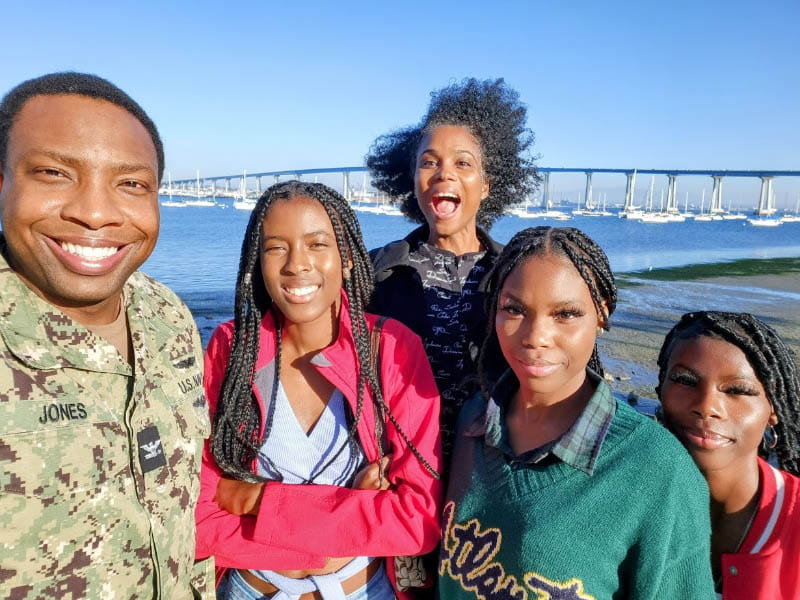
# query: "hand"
[[239, 497], [373, 475]]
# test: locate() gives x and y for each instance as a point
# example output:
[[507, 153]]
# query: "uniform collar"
[[579, 446]]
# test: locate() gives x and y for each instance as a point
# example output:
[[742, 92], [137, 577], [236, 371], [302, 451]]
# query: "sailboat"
[[202, 197], [656, 218], [389, 209], [240, 200], [588, 207], [522, 211], [734, 216], [635, 212], [762, 222], [703, 216], [596, 211], [168, 190], [731, 215], [605, 212], [549, 213], [362, 200], [795, 218]]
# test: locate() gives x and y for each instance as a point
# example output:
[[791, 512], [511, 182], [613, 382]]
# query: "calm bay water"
[[198, 250]]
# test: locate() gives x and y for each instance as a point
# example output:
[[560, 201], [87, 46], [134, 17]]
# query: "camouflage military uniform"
[[99, 461]]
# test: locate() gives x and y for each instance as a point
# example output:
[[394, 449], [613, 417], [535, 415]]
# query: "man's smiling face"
[[79, 201]]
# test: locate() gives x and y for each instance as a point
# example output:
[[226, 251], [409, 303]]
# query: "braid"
[[236, 437], [359, 288], [236, 428], [574, 245], [773, 363]]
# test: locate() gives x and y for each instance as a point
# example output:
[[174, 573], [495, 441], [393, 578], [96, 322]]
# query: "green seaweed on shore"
[[736, 268]]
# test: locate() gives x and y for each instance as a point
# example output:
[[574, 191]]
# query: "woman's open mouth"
[[445, 204]]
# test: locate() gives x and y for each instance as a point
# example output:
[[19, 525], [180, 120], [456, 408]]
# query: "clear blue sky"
[[282, 85]]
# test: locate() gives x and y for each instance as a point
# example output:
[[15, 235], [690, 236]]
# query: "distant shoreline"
[[761, 272], [651, 302]]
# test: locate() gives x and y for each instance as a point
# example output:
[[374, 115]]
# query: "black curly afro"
[[493, 113]]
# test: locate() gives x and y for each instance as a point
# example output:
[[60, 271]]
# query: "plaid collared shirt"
[[579, 446]]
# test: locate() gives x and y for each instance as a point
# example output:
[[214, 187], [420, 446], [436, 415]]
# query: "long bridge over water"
[[765, 205]]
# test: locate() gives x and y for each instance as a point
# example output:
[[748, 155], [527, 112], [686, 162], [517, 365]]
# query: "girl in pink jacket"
[[320, 478], [729, 391]]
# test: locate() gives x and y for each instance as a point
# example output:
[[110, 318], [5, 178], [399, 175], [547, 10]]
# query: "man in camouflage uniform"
[[102, 412]]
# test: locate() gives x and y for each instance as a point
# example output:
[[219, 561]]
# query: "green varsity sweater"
[[637, 527]]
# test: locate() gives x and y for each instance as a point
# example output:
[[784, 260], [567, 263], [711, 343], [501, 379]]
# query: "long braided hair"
[[574, 245], [236, 437], [772, 360]]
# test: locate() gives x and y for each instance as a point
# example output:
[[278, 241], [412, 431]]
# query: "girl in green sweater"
[[556, 490]]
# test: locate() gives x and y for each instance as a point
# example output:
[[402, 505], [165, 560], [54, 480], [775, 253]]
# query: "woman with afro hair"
[[454, 172]]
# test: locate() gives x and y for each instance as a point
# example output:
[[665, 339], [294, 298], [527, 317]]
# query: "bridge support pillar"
[[630, 191], [716, 196], [346, 185], [766, 203], [258, 185], [672, 194], [546, 190], [589, 204]]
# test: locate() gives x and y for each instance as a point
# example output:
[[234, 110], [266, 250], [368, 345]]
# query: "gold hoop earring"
[[346, 273]]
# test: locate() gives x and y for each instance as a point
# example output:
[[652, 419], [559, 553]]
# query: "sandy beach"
[[651, 302]]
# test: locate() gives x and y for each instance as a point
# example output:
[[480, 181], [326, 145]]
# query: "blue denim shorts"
[[234, 587]]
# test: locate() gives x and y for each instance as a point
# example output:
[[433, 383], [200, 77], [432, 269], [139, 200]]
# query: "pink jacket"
[[768, 564], [299, 526]]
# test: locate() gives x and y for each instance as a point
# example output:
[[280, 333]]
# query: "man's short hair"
[[81, 84]]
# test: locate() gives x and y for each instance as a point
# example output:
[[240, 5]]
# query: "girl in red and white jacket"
[[729, 391], [325, 450]]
